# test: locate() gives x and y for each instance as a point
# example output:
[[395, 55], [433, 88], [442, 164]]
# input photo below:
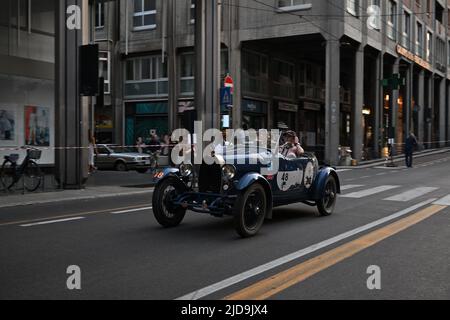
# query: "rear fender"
[[252, 178], [321, 179]]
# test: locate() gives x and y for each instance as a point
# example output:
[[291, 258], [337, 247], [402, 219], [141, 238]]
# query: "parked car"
[[230, 188], [113, 157]]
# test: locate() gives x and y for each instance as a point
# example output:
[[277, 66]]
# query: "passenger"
[[292, 147]]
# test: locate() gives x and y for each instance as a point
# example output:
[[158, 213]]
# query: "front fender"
[[251, 178], [160, 176], [321, 179]]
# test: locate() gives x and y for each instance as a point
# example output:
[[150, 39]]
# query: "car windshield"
[[119, 149]]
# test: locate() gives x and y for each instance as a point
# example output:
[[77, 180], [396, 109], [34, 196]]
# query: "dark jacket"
[[411, 144]]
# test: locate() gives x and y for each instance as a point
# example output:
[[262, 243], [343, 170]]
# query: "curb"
[[398, 158]]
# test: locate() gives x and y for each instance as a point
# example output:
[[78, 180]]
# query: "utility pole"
[[207, 51]]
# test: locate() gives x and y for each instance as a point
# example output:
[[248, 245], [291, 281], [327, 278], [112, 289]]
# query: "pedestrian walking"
[[92, 148], [410, 145]]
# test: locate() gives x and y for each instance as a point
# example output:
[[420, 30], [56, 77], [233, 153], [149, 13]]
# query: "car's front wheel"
[[327, 203], [250, 211], [166, 213]]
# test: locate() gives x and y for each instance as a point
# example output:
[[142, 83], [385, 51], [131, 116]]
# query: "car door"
[[103, 158], [288, 181]]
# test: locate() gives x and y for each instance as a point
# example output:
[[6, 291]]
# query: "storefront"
[[27, 86], [143, 119], [254, 113]]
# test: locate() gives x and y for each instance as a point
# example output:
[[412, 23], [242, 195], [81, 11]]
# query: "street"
[[396, 219]]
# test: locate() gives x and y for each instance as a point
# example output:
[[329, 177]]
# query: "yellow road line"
[[275, 284], [69, 215]]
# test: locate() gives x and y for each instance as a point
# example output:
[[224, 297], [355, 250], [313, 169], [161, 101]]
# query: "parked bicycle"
[[11, 172]]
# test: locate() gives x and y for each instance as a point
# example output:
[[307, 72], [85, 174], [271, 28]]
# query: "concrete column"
[[442, 112], [235, 61], [207, 76], [172, 61], [408, 101], [394, 100], [448, 114], [421, 103], [332, 108], [235, 69], [378, 107], [358, 100], [71, 111], [430, 104]]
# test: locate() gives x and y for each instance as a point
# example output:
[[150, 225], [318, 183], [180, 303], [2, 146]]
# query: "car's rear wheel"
[[327, 203], [250, 211], [166, 213]]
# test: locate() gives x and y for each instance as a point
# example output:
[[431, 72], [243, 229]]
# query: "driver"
[[292, 148]]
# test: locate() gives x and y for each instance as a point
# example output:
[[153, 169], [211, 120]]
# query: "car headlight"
[[228, 171], [186, 169]]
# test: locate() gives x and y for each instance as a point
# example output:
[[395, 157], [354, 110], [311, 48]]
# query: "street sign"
[[226, 97], [393, 82], [229, 83]]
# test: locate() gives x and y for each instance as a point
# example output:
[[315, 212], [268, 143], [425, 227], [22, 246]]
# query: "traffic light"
[[88, 70]]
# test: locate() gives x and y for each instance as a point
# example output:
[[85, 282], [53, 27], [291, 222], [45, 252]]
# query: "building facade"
[[341, 73]]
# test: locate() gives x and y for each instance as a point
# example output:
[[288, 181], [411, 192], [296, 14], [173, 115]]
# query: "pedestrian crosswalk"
[[370, 191], [411, 194], [392, 193]]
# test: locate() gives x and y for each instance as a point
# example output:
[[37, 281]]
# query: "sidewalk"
[[90, 193], [397, 159]]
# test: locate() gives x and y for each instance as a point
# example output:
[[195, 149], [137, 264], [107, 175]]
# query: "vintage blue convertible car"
[[241, 189]]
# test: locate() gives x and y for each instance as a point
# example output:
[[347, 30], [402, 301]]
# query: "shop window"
[[144, 16]]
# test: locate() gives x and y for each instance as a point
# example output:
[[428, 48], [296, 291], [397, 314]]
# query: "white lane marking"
[[201, 293], [444, 201], [51, 222], [381, 174], [343, 170], [351, 186], [368, 192], [364, 177], [411, 194], [132, 210]]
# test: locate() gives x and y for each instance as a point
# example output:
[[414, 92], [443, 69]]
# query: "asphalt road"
[[124, 254]]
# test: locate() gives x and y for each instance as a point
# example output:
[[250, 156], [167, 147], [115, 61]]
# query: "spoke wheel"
[[32, 176], [7, 175], [166, 213], [250, 211], [327, 203]]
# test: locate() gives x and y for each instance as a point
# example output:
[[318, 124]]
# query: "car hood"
[[130, 155]]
